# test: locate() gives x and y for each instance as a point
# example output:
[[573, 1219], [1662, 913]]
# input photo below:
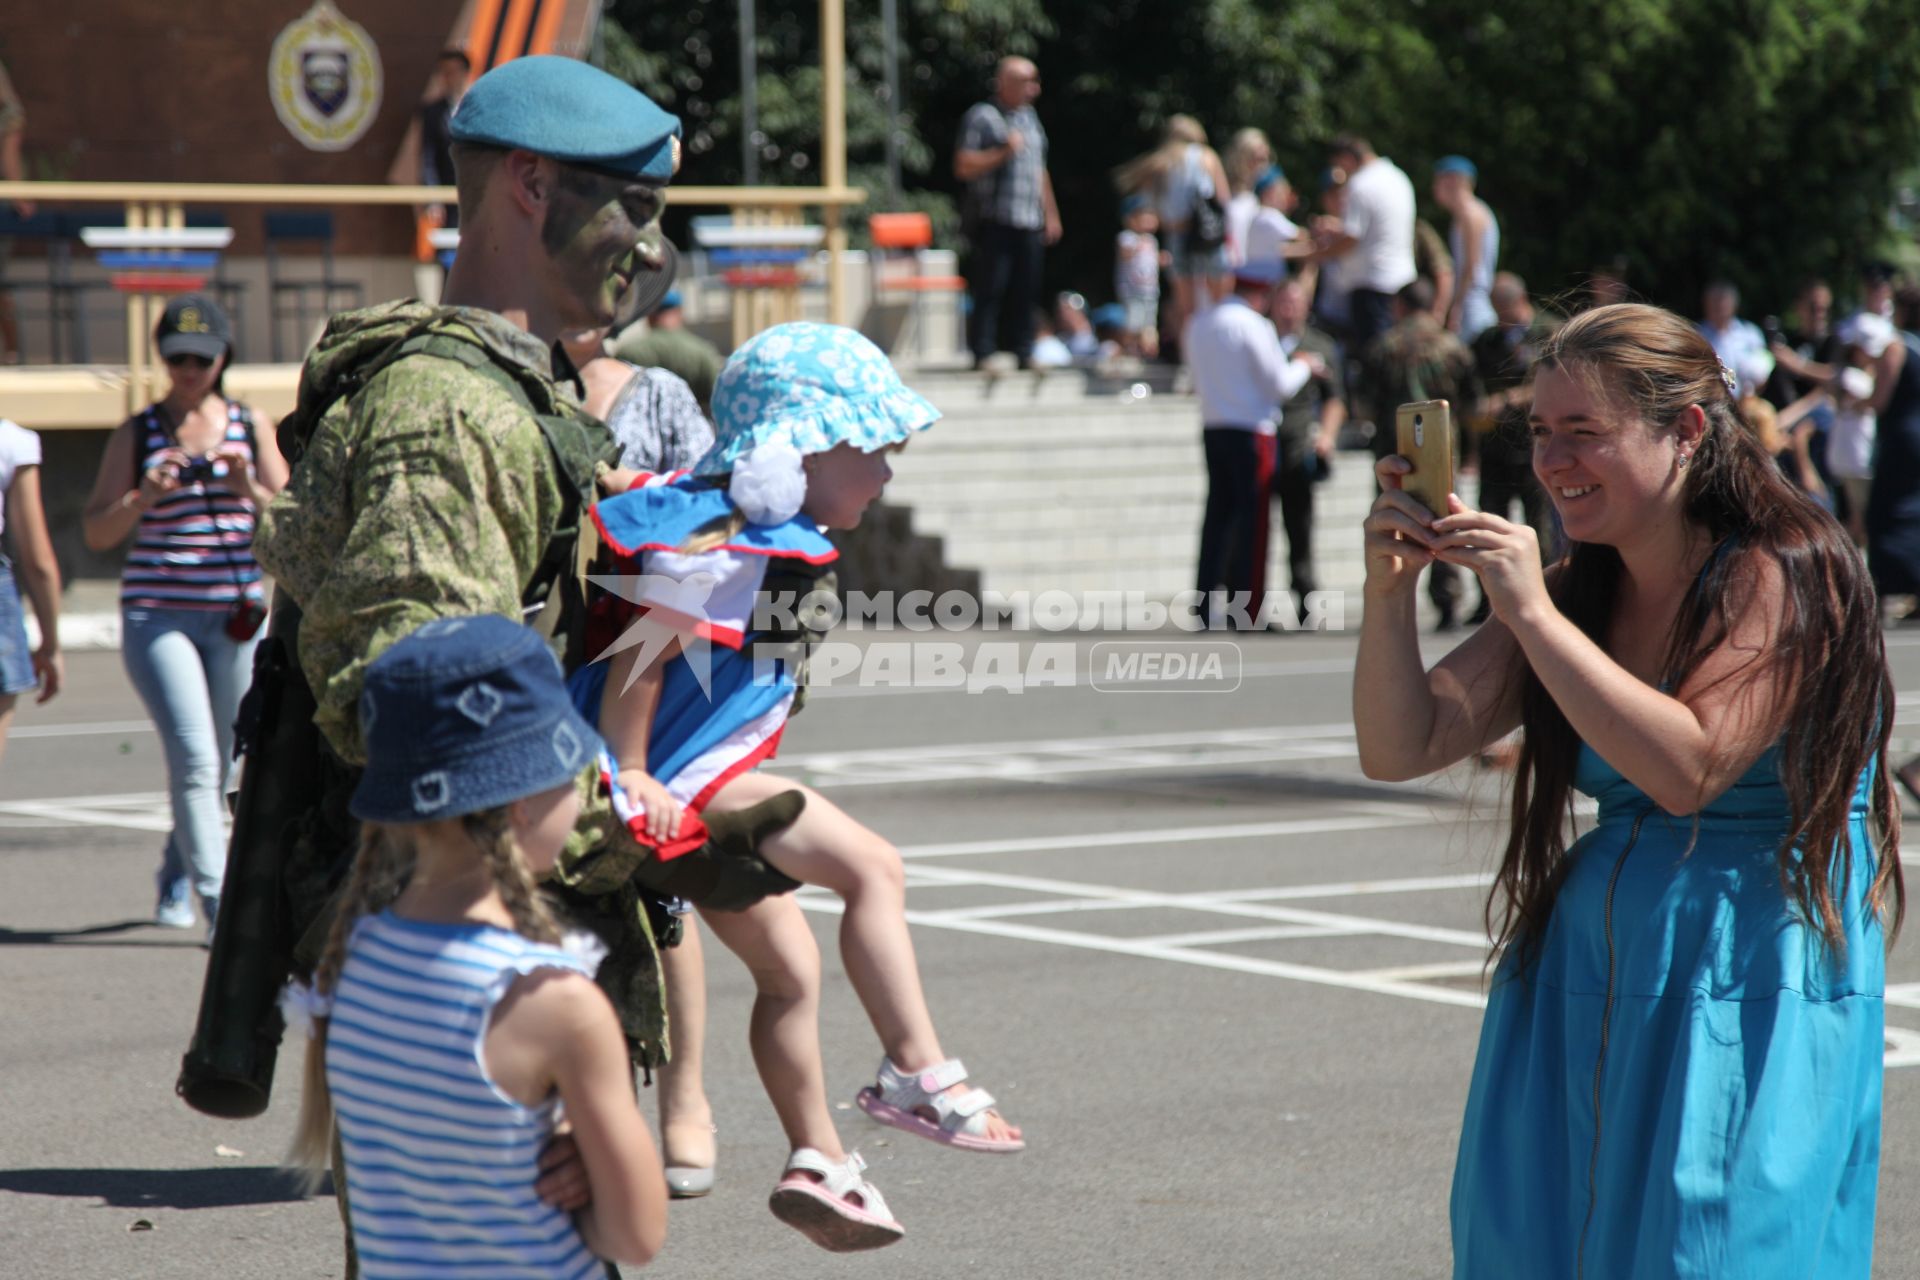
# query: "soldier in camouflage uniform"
[[442, 467], [1420, 359]]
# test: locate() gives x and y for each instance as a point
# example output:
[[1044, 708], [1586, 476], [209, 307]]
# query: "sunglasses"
[[190, 361]]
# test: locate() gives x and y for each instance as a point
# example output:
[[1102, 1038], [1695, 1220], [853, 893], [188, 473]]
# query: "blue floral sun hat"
[[811, 387]]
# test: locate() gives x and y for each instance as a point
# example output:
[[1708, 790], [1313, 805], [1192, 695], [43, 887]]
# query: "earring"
[[1685, 458]]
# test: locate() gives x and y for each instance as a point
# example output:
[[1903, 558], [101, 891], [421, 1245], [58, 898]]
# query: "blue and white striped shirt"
[[440, 1162]]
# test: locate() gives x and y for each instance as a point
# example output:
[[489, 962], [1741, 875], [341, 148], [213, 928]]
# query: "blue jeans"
[[191, 675]]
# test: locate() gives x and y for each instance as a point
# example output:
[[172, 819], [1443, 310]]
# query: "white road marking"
[[1147, 949], [1904, 994], [1420, 972], [1227, 937], [1903, 1047], [81, 729], [1411, 982], [1037, 760], [1351, 888], [99, 811], [1137, 899], [1374, 817]]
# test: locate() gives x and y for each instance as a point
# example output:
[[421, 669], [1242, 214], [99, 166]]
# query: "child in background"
[[697, 693], [1136, 276], [1110, 329], [1845, 447], [1850, 445], [1788, 439], [1273, 239], [447, 1026]]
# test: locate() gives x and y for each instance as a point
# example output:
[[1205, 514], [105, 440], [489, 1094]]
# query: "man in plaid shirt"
[[1010, 212]]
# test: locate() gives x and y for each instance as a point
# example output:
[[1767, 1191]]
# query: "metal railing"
[[163, 204]]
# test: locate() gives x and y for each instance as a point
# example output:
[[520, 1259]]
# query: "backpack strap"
[[553, 600]]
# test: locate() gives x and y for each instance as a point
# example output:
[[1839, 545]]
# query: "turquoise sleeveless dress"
[[1687, 1081]]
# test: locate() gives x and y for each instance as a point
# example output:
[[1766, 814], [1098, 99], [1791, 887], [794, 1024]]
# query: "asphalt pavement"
[[1230, 987]]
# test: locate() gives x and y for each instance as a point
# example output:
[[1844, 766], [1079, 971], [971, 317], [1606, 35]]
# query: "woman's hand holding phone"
[[1504, 555], [1398, 532]]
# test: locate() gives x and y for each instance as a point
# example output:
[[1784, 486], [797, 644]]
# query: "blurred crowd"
[[1382, 308]]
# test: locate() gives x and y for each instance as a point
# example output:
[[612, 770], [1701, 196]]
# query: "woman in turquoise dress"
[[1679, 1071]]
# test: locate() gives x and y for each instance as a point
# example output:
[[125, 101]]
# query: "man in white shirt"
[[1376, 244], [1241, 375], [1739, 343]]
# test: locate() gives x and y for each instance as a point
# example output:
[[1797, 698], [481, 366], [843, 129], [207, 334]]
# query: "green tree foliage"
[[687, 57], [1759, 140], [1763, 140]]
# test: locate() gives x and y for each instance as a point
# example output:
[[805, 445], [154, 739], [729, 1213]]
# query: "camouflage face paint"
[[601, 230]]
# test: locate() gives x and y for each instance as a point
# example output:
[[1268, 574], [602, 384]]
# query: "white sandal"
[[830, 1204], [919, 1104]]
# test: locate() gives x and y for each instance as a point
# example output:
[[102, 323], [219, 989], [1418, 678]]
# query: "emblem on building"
[[324, 78]]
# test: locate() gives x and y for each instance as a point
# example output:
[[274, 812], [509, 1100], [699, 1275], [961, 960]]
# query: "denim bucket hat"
[[466, 714], [810, 386]]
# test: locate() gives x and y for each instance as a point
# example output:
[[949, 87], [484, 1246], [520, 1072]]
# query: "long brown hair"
[[382, 867], [1835, 709]]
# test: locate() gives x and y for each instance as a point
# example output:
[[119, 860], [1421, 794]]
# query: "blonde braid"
[[715, 533], [381, 867], [492, 831]]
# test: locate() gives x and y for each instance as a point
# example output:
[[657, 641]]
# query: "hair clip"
[[1732, 383]]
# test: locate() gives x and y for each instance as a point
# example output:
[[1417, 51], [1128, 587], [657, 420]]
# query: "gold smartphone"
[[1425, 430]]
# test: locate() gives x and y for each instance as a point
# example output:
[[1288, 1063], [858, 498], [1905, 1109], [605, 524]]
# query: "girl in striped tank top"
[[184, 478], [450, 1029]]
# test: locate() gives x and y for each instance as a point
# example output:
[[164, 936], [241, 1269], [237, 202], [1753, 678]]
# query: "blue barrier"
[[156, 260]]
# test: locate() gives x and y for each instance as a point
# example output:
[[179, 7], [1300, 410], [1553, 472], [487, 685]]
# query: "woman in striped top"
[[184, 478], [450, 1028]]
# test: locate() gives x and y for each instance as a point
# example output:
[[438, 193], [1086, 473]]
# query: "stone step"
[[1074, 482], [1066, 428], [958, 390]]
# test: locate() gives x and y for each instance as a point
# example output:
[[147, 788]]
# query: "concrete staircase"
[[1073, 481]]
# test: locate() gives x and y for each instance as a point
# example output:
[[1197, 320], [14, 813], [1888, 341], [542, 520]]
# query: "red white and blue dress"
[[705, 732]]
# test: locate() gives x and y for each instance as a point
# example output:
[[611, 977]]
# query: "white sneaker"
[[175, 908]]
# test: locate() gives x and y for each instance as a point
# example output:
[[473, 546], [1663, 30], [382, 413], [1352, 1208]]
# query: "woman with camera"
[[184, 478], [1679, 1072]]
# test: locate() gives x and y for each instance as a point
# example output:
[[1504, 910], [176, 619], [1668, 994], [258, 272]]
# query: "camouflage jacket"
[[433, 490], [1505, 359], [429, 491], [1417, 359]]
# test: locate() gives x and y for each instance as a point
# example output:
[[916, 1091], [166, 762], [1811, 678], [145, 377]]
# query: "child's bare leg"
[[686, 1119], [772, 939], [826, 847]]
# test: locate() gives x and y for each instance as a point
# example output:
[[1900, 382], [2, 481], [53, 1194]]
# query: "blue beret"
[[1456, 164], [1132, 204], [1273, 173], [563, 108], [669, 301]]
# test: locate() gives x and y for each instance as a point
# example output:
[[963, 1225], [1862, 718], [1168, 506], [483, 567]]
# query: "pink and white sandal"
[[919, 1104], [832, 1205]]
